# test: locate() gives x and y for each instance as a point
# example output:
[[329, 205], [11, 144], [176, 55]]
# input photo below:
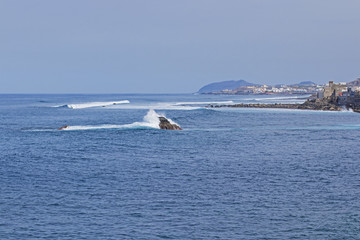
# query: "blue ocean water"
[[230, 174]]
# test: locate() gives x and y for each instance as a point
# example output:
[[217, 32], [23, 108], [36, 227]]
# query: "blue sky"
[[163, 46]]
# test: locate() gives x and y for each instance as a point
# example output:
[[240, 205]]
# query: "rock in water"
[[64, 127], [165, 124]]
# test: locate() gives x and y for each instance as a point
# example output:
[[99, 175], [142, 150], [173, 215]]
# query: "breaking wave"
[[151, 120], [93, 104], [344, 109]]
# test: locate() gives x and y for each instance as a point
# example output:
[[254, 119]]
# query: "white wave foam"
[[344, 109], [151, 120], [93, 104], [158, 106], [276, 97], [202, 103]]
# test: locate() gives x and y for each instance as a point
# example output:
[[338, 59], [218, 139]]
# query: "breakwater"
[[319, 105]]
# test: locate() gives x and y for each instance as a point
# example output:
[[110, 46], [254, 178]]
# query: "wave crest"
[[151, 120], [93, 104]]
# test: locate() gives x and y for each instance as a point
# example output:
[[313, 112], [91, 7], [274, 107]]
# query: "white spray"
[[151, 120]]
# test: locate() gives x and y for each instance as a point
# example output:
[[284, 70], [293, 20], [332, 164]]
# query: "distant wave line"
[[277, 98], [199, 103], [93, 104]]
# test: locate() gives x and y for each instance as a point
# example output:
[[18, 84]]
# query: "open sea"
[[232, 173]]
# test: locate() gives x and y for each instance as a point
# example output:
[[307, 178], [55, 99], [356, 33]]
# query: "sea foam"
[[93, 104], [202, 103], [151, 120], [281, 98]]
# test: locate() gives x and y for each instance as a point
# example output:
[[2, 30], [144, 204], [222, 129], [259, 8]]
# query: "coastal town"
[[301, 88], [343, 94], [331, 96]]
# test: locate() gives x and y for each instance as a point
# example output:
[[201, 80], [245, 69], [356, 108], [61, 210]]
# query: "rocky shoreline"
[[314, 104]]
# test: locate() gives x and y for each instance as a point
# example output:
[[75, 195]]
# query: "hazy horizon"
[[163, 46]]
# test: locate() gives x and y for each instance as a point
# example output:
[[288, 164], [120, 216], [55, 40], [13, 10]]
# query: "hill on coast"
[[306, 83], [230, 85]]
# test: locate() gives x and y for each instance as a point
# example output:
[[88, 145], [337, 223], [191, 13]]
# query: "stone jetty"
[[314, 104]]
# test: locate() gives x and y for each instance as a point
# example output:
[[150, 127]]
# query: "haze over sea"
[[230, 174]]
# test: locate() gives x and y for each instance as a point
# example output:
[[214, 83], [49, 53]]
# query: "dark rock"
[[165, 124], [64, 127]]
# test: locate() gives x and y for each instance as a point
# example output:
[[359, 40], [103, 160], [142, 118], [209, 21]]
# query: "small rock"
[[64, 127], [165, 124]]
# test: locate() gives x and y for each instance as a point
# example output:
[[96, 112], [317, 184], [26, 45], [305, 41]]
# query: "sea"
[[231, 173]]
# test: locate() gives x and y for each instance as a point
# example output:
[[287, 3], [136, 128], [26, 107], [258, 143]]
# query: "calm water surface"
[[231, 174]]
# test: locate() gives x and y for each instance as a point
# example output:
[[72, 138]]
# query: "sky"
[[164, 46]]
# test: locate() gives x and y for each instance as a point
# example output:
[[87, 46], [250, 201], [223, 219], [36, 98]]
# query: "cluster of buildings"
[[310, 88], [341, 93], [344, 94]]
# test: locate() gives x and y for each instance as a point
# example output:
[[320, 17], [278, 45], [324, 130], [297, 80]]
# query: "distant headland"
[[242, 87], [330, 97]]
